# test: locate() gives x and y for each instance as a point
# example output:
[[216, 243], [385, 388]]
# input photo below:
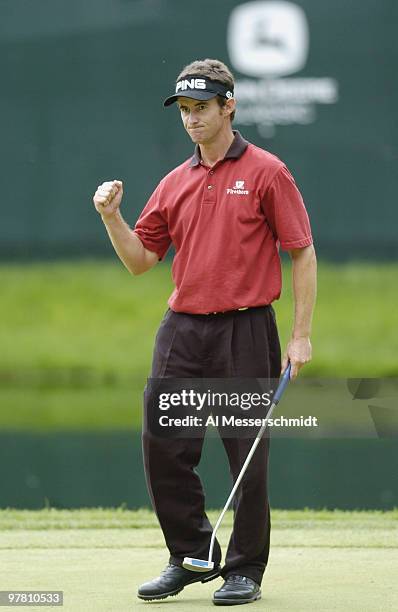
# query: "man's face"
[[204, 119]]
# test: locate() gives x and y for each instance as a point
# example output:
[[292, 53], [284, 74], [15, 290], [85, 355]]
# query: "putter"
[[201, 565]]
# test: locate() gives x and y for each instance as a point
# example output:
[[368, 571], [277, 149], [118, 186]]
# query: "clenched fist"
[[108, 197]]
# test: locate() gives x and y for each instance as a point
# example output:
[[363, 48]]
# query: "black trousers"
[[234, 344]]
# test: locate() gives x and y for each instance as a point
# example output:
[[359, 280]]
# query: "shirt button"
[[209, 186], [211, 172]]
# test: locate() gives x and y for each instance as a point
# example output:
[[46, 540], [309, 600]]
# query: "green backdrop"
[[73, 470], [81, 102]]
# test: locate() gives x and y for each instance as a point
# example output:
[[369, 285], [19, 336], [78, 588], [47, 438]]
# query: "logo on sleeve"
[[238, 189]]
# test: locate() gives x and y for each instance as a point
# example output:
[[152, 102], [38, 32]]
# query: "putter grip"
[[282, 385]]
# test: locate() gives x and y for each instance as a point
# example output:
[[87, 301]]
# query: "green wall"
[[81, 102], [73, 470]]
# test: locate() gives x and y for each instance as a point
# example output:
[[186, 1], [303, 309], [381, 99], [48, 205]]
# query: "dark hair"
[[212, 69]]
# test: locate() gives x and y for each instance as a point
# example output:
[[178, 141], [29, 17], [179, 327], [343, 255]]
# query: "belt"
[[227, 311]]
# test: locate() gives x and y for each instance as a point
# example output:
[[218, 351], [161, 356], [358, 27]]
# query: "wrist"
[[300, 336], [108, 218]]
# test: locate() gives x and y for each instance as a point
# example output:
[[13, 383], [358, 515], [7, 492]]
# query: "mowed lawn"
[[320, 561], [77, 337]]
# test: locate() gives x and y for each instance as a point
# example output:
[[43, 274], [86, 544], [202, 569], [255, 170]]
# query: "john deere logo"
[[268, 41], [268, 38]]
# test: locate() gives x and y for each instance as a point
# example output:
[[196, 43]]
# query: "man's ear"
[[229, 106]]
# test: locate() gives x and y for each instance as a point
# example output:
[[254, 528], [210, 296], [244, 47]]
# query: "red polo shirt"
[[226, 224]]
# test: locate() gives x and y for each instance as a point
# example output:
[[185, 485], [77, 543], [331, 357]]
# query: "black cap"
[[198, 88]]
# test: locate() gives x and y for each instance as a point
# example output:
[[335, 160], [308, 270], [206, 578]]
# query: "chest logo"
[[238, 189]]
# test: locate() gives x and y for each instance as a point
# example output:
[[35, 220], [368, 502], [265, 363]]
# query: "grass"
[[324, 560], [123, 518], [78, 337], [81, 323]]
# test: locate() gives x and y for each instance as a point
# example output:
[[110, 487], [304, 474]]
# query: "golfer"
[[227, 210]]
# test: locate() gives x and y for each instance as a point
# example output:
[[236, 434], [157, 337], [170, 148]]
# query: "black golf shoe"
[[172, 580], [237, 590]]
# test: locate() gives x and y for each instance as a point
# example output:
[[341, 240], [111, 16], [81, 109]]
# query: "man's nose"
[[192, 117]]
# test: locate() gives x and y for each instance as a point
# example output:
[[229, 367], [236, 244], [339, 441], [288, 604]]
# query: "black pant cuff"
[[256, 576]]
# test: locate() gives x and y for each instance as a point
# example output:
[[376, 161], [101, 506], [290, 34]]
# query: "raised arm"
[[128, 246]]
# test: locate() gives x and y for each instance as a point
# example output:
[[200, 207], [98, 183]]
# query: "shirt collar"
[[236, 150]]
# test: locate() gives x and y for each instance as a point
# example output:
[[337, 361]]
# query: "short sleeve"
[[285, 212], [152, 228]]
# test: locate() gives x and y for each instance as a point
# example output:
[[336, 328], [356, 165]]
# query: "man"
[[226, 210]]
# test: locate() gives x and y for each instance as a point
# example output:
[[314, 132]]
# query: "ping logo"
[[238, 189], [185, 84]]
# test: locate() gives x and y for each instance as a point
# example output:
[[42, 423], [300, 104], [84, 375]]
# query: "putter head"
[[197, 565]]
